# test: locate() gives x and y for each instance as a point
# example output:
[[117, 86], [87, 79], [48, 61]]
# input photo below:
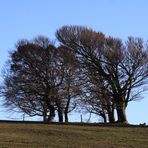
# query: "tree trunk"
[[60, 111], [52, 113], [66, 114], [111, 116], [67, 108], [103, 115], [45, 115], [121, 113], [60, 114], [104, 118]]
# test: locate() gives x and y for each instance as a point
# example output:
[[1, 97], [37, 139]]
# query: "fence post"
[[81, 118]]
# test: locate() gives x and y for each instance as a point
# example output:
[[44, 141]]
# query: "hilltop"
[[33, 135]]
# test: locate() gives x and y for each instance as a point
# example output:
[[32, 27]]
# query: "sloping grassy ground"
[[25, 135]]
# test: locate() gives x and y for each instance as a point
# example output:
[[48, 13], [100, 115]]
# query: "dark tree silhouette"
[[88, 68], [34, 73], [97, 98], [69, 91], [122, 67]]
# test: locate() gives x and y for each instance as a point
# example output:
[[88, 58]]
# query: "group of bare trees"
[[40, 79], [88, 70]]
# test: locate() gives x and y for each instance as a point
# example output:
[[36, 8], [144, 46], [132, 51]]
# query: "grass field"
[[25, 135]]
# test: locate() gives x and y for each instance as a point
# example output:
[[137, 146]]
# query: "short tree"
[[97, 98]]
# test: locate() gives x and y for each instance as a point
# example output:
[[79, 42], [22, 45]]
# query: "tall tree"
[[69, 91], [34, 73], [123, 67]]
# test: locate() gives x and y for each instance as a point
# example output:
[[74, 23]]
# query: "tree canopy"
[[122, 68], [88, 70]]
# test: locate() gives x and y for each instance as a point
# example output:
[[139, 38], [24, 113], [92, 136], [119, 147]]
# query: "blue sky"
[[29, 18]]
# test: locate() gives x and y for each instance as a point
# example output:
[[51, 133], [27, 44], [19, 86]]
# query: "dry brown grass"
[[16, 135]]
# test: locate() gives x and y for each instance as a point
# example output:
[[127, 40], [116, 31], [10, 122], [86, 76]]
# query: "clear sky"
[[27, 19]]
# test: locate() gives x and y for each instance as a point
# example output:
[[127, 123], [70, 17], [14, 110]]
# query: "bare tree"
[[97, 99], [69, 91], [34, 73], [123, 67]]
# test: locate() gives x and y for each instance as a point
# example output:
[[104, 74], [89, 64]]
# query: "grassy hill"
[[21, 135]]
